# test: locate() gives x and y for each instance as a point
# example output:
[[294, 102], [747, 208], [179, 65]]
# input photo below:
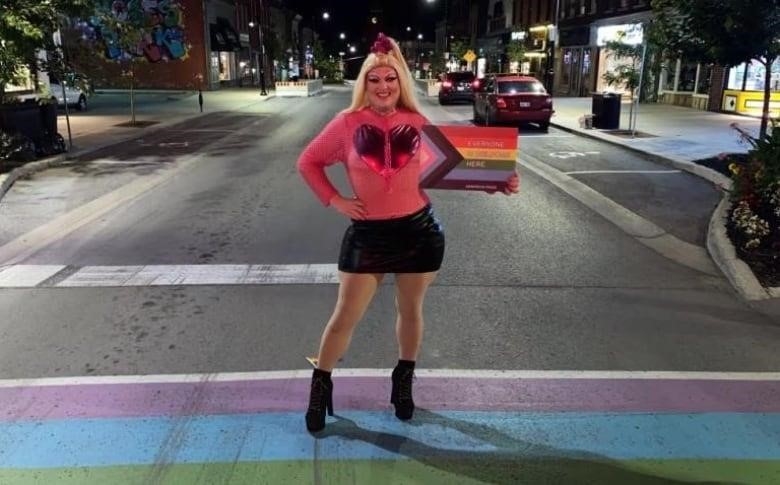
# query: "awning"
[[224, 37]]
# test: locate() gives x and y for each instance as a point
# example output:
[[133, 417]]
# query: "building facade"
[[584, 27], [187, 44]]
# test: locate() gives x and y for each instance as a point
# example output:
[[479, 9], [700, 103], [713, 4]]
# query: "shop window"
[[667, 76], [775, 82], [705, 79], [748, 76], [226, 66], [687, 77], [566, 71]]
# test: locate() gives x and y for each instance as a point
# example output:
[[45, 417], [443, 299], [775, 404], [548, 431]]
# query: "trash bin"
[[606, 110]]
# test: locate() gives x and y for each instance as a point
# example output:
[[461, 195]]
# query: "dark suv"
[[456, 86]]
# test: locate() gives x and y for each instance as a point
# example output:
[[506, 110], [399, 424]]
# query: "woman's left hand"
[[512, 184]]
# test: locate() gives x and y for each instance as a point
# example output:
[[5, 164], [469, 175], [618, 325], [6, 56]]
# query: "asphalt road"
[[534, 281]]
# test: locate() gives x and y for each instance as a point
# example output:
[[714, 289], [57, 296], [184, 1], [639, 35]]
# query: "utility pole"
[[553, 36], [262, 58]]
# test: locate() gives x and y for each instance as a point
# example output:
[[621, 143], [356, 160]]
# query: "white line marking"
[[545, 136], [641, 229], [202, 274], [620, 171], [431, 373], [27, 275]]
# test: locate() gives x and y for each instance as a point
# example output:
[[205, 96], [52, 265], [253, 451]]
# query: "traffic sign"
[[469, 56]]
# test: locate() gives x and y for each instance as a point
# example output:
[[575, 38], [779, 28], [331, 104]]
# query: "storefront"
[[744, 93], [582, 59], [225, 44], [685, 84], [608, 62], [574, 63]]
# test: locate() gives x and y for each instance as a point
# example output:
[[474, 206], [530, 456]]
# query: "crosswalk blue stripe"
[[378, 435]]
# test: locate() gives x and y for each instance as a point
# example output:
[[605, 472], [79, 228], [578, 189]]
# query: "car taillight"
[[446, 84], [475, 84], [500, 103], [548, 100]]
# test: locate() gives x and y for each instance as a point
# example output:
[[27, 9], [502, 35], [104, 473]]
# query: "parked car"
[[512, 99], [76, 97], [75, 94], [456, 86]]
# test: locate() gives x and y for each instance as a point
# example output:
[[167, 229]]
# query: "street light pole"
[[553, 36], [251, 55], [262, 59]]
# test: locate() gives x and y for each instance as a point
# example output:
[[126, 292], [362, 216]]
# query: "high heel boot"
[[401, 395], [320, 400]]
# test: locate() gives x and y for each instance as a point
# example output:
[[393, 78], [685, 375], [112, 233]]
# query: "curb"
[[62, 159], [718, 244], [725, 256]]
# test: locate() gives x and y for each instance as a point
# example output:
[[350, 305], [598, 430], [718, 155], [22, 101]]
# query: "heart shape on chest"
[[386, 152]]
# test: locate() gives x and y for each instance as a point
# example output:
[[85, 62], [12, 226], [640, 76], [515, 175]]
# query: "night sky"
[[353, 17]]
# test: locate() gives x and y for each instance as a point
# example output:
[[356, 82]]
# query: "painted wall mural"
[[159, 22]]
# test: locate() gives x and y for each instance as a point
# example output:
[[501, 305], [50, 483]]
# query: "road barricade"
[[428, 87], [303, 88]]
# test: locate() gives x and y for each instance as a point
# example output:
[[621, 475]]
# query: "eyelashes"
[[388, 79]]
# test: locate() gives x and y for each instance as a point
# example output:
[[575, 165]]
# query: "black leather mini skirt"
[[408, 244]]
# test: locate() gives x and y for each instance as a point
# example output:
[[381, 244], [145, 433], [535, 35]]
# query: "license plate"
[[524, 104], [460, 88]]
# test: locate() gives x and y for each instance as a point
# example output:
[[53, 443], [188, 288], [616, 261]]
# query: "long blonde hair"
[[393, 58]]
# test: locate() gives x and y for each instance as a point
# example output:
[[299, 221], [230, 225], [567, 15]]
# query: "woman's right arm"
[[325, 149]]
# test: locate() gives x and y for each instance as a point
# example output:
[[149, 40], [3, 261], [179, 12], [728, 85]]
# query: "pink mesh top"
[[381, 156]]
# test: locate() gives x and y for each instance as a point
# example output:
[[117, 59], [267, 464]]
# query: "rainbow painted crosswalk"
[[471, 427]]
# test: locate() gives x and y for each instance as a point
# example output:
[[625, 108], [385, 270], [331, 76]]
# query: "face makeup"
[[382, 89]]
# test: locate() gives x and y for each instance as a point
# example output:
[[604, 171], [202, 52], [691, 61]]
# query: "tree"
[[26, 27], [326, 64], [118, 34], [626, 74], [515, 52], [726, 32], [458, 49]]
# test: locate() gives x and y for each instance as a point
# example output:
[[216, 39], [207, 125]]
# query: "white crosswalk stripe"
[[28, 276]]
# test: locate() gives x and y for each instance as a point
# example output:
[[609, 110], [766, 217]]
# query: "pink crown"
[[382, 45]]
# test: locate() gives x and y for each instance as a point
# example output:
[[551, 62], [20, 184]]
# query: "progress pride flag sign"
[[467, 157]]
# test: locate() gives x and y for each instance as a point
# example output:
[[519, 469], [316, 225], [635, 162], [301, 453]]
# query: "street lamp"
[[261, 61], [325, 16], [342, 36]]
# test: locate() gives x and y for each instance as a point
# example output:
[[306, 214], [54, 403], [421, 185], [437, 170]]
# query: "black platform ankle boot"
[[401, 395], [320, 400]]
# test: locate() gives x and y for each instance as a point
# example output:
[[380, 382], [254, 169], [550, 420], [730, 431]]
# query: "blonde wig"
[[385, 53]]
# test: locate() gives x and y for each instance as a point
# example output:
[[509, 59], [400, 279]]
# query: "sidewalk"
[[677, 136], [680, 134]]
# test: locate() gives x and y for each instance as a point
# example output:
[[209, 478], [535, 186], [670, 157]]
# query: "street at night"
[[428, 242]]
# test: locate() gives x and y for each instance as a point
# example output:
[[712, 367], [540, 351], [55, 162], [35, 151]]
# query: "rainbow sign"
[[467, 157]]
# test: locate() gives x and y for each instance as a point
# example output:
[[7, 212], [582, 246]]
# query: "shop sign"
[[632, 34], [518, 35]]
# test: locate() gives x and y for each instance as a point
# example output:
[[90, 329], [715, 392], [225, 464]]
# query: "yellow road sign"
[[469, 56]]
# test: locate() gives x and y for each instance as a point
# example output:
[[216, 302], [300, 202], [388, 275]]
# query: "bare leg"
[[410, 295], [355, 293]]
